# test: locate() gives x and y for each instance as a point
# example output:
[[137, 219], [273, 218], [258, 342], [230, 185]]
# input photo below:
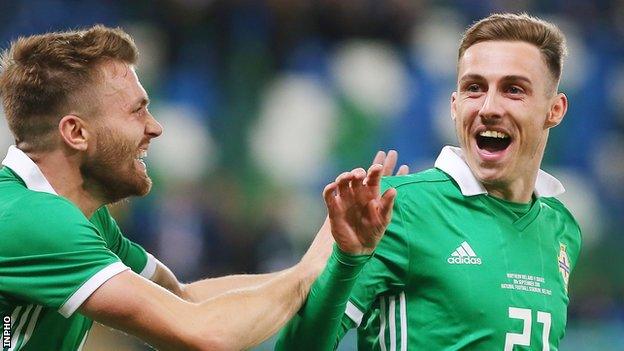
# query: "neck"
[[519, 195], [62, 171], [519, 190]]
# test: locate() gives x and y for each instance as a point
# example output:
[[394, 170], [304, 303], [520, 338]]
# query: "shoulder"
[[429, 184], [428, 178], [556, 206], [420, 198], [44, 221], [571, 232], [38, 207]]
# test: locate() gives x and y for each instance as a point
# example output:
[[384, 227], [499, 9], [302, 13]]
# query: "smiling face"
[[114, 167], [504, 105]]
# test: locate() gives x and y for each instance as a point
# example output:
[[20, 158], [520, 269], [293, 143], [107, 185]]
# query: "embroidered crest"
[[564, 264]]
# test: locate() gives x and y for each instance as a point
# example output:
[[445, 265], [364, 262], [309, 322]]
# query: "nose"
[[491, 109], [153, 128]]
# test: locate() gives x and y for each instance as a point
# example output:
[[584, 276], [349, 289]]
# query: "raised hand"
[[358, 215], [320, 249]]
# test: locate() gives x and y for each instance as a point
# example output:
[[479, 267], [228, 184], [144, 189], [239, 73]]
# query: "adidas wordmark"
[[464, 254]]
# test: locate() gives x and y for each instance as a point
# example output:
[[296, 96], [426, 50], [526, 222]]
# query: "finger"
[[329, 194], [403, 170], [374, 175], [359, 174], [344, 186], [379, 157], [387, 203], [390, 162]]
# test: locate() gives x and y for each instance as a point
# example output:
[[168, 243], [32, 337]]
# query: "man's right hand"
[[321, 247], [358, 215]]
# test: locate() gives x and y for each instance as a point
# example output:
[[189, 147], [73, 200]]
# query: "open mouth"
[[493, 141]]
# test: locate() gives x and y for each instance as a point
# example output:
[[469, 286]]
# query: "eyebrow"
[[471, 77], [515, 78], [509, 78]]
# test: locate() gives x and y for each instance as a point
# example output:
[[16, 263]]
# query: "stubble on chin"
[[110, 174]]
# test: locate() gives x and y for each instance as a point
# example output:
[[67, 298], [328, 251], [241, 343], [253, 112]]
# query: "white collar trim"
[[26, 169], [451, 160]]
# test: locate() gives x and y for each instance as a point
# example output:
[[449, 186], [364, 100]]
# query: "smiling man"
[[478, 253], [82, 126]]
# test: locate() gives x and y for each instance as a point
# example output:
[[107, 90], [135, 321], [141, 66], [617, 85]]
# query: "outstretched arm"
[[358, 217], [315, 257], [238, 316], [235, 320], [209, 288], [231, 313]]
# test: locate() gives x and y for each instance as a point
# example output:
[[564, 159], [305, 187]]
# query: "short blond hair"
[[43, 77]]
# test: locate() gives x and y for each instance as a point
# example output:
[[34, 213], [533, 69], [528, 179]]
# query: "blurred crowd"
[[264, 102]]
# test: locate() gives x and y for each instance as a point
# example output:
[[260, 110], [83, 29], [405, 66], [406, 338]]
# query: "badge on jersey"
[[564, 265]]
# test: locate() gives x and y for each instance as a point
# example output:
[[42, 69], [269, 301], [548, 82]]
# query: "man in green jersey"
[[81, 124], [479, 251]]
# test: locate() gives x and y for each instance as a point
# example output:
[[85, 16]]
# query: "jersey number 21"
[[524, 339]]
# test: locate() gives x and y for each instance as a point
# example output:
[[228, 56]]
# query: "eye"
[[140, 110], [514, 89], [473, 88]]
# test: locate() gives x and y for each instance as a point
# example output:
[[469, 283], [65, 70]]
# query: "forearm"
[[246, 317], [317, 326], [231, 321], [208, 288]]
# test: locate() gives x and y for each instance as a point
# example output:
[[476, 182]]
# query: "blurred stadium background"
[[263, 102]]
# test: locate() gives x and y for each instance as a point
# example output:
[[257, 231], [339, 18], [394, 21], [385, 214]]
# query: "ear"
[[454, 105], [558, 109], [74, 132]]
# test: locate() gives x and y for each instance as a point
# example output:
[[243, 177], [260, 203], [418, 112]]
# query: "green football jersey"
[[458, 269], [52, 258]]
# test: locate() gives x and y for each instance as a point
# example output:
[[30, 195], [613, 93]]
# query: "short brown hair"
[[513, 27], [44, 77]]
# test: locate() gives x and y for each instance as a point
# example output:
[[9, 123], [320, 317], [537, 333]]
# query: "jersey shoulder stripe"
[[432, 175]]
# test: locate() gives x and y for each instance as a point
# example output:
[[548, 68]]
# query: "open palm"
[[358, 214]]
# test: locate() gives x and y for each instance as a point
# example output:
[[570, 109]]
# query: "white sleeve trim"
[[150, 267], [354, 313], [99, 278]]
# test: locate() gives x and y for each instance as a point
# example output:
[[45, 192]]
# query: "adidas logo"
[[464, 254]]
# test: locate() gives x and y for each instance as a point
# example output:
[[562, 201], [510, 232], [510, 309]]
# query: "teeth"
[[493, 134], [143, 154]]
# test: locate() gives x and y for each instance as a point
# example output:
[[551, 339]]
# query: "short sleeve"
[[52, 255], [130, 253], [387, 270]]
